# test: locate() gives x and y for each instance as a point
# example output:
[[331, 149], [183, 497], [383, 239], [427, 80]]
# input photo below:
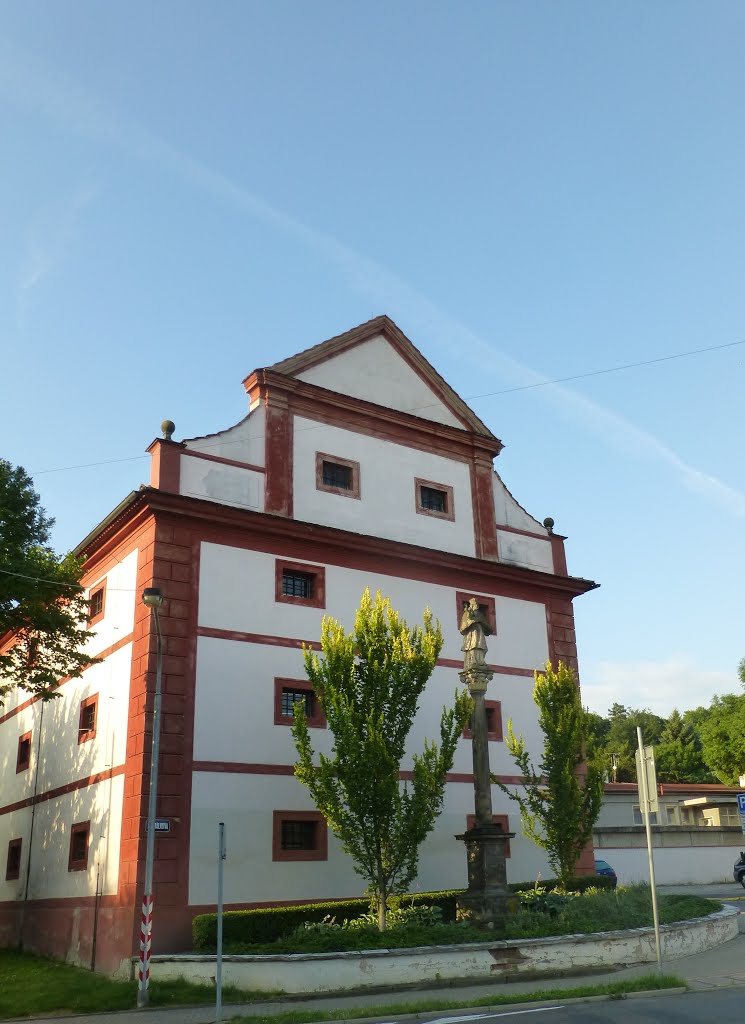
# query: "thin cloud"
[[46, 241], [657, 685], [27, 81]]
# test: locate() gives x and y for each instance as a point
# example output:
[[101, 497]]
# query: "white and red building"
[[356, 466]]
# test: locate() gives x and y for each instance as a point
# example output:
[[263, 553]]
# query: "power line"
[[39, 579], [469, 398]]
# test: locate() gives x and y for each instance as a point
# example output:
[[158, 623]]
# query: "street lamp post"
[[153, 599]]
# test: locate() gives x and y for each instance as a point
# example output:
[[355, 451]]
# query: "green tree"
[[678, 755], [369, 683], [561, 800], [42, 605], [723, 738]]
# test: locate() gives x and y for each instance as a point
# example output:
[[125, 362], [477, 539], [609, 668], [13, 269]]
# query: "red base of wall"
[[64, 929]]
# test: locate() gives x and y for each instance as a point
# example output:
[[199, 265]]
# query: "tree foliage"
[[723, 738], [42, 604], [560, 800], [369, 683]]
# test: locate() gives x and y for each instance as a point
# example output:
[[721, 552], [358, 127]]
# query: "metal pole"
[[218, 966], [146, 926], [645, 810]]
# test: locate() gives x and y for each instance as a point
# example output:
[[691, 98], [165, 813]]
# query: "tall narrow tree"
[[369, 684], [560, 800], [43, 609]]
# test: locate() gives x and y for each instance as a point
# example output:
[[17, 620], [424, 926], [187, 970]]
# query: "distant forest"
[[706, 744]]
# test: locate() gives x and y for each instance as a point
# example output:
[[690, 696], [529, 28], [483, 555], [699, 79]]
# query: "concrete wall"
[[681, 855], [496, 961]]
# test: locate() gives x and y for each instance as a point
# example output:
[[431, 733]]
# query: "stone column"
[[485, 901]]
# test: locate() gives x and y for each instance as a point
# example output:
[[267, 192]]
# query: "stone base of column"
[[487, 900]]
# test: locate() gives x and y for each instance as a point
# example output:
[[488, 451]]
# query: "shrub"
[[270, 923]]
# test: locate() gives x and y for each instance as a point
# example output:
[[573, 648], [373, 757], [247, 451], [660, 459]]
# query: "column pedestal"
[[487, 899]]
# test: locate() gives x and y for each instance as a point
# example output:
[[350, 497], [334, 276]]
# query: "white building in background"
[[357, 466]]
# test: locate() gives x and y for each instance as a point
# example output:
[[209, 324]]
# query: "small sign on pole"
[[646, 778], [741, 809]]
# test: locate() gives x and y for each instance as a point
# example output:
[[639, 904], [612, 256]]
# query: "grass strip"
[[614, 990], [33, 985]]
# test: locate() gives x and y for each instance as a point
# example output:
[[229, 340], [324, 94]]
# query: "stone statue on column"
[[486, 899]]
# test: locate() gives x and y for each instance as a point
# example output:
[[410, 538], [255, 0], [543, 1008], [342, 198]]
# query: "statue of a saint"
[[475, 628]]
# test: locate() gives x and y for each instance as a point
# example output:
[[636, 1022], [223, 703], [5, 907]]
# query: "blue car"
[[602, 867]]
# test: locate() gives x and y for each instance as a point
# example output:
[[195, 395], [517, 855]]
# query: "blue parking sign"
[[741, 809]]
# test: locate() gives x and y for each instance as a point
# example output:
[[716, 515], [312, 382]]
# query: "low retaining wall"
[[426, 965]]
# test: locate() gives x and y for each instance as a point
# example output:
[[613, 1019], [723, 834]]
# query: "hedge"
[[270, 923]]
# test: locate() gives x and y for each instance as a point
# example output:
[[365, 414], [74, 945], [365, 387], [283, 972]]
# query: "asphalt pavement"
[[714, 970]]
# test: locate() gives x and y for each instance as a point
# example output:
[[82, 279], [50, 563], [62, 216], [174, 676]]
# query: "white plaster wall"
[[375, 372], [243, 443], [61, 758], [678, 865], [387, 503], [216, 481], [119, 609], [237, 593], [516, 549], [100, 804], [246, 802], [509, 512]]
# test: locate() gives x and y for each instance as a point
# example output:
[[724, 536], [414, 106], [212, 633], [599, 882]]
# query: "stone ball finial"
[[549, 524], [168, 427]]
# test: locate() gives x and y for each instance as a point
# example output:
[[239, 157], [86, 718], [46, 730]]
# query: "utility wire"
[[470, 398]]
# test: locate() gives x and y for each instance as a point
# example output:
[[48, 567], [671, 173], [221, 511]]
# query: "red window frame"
[[318, 600], [79, 863], [354, 467], [319, 852], [497, 819], [315, 721], [84, 733], [462, 597], [494, 722], [23, 754], [100, 588], [13, 871], [449, 512]]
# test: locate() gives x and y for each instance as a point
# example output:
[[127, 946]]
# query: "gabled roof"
[[385, 327]]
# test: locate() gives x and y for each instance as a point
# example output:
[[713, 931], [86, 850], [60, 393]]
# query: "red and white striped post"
[[153, 598], [146, 940]]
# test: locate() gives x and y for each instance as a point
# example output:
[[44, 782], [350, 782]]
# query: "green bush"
[[268, 924]]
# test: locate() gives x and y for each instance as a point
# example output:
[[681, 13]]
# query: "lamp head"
[[152, 597]]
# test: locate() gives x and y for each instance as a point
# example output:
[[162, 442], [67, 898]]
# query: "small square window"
[[299, 583], [337, 475], [493, 722], [433, 499], [639, 817], [88, 716], [299, 835], [23, 757], [13, 864], [287, 693], [497, 819], [97, 603], [79, 841]]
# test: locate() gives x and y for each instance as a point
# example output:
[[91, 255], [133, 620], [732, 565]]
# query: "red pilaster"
[[278, 443], [165, 465], [484, 520]]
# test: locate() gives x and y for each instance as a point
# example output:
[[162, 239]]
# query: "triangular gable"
[[377, 363]]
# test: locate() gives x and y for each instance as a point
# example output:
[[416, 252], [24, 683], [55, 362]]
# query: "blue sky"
[[531, 191]]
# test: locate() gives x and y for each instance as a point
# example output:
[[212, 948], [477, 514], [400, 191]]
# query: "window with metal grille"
[[292, 697], [23, 757], [299, 835], [335, 475], [433, 500], [13, 864], [297, 584], [79, 836], [96, 604]]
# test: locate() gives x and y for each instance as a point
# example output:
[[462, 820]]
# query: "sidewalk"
[[717, 968]]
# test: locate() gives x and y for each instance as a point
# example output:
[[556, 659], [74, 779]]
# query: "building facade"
[[356, 466]]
